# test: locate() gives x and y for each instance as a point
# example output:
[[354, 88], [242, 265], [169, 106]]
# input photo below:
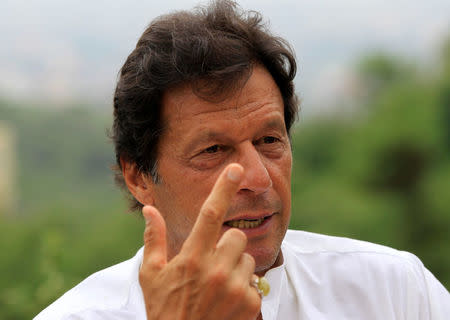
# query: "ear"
[[139, 185]]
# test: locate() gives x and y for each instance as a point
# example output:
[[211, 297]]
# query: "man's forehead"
[[183, 101]]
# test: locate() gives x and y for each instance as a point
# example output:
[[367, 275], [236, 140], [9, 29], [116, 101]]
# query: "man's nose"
[[256, 177]]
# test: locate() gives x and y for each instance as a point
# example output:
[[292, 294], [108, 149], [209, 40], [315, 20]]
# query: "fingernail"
[[234, 174]]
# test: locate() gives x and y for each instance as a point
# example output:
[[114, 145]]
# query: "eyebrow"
[[275, 124], [212, 135]]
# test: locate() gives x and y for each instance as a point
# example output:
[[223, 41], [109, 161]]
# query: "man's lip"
[[251, 217]]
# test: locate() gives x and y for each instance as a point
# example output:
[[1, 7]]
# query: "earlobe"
[[138, 184]]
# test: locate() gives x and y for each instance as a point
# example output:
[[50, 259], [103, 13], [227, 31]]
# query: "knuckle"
[[149, 268], [218, 277], [210, 212], [158, 263], [143, 276], [238, 291], [190, 265]]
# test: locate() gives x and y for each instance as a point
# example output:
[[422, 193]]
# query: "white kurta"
[[322, 277]]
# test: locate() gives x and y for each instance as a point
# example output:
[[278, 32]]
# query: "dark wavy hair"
[[213, 48]]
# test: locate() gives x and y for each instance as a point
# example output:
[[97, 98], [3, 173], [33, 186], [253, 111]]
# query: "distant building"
[[7, 168]]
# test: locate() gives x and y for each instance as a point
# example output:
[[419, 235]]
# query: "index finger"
[[206, 230]]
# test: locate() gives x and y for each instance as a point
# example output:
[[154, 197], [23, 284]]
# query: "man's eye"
[[270, 140], [213, 149]]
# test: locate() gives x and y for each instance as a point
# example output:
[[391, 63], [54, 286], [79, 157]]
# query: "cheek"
[[185, 193], [282, 185], [281, 173], [197, 188]]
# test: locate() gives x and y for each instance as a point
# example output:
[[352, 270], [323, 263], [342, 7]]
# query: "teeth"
[[245, 224]]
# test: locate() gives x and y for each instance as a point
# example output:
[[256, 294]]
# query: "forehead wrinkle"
[[240, 102], [236, 111]]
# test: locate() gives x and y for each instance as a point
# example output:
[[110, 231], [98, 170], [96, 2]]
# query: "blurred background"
[[371, 148]]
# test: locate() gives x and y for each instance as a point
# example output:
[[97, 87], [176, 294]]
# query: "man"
[[203, 109]]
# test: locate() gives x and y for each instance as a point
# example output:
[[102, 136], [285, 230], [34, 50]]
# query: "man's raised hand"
[[210, 277]]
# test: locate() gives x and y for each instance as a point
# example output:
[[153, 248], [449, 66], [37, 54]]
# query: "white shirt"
[[322, 277]]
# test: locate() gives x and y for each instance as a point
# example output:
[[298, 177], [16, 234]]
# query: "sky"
[[58, 51]]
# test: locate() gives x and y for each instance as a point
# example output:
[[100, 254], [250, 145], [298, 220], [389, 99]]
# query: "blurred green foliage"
[[381, 174], [70, 220]]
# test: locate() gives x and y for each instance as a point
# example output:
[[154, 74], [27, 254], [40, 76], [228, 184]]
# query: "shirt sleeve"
[[434, 301], [438, 297]]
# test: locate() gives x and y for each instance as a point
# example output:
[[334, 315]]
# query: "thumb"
[[155, 246]]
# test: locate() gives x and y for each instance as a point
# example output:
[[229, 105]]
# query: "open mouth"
[[246, 223]]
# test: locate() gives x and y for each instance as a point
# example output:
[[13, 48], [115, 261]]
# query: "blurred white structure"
[[7, 168]]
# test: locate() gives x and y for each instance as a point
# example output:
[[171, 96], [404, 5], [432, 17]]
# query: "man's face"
[[201, 138]]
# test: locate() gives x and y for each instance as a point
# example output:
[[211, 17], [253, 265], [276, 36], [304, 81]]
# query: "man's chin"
[[265, 258]]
